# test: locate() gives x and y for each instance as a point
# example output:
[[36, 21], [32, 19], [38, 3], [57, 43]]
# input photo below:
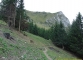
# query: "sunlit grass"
[[60, 55], [41, 25], [2, 22]]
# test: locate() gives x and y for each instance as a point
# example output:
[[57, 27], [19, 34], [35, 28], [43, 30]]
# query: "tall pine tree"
[[21, 9], [8, 10], [58, 35], [75, 36]]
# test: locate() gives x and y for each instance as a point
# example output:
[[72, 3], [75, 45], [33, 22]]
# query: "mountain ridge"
[[48, 18]]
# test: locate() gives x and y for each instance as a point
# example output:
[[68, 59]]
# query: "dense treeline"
[[32, 28], [71, 40], [75, 41], [12, 11], [56, 33]]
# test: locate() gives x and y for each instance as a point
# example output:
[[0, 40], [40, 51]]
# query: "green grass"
[[41, 42], [19, 50], [2, 22], [60, 55], [41, 25], [28, 52], [39, 16]]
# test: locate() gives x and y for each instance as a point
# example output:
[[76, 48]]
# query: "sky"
[[69, 7]]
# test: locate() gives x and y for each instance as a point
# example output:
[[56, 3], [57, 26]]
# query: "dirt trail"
[[45, 52]]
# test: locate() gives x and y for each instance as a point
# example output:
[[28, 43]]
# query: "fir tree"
[[75, 36]]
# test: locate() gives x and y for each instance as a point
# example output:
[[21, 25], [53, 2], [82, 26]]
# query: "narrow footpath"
[[45, 52]]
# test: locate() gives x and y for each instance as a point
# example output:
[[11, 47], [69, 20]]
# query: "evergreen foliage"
[[14, 10], [58, 35], [76, 36]]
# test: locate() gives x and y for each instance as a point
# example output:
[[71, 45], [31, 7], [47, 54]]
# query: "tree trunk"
[[15, 13], [8, 21], [14, 22], [19, 23], [62, 47]]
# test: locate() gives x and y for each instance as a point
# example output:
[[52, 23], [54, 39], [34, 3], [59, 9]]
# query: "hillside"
[[48, 19], [39, 16], [26, 46]]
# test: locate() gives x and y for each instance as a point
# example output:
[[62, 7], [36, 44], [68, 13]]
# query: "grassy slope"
[[39, 16], [19, 48], [43, 43], [22, 49], [42, 25]]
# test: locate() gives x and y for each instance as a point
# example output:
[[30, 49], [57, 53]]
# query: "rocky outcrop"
[[59, 16]]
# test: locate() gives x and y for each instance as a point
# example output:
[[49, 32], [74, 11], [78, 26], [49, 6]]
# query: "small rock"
[[25, 42], [3, 57], [22, 56]]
